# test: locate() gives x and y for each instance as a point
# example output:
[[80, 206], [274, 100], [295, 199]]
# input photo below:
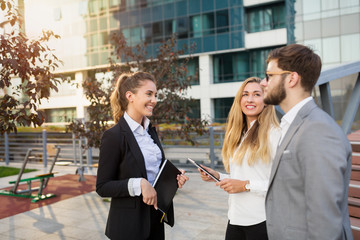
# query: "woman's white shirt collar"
[[135, 126]]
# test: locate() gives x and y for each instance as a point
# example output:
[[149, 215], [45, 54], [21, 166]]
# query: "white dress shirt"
[[289, 117], [150, 151], [248, 208]]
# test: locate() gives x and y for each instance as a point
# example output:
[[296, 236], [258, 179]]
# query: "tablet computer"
[[203, 169]]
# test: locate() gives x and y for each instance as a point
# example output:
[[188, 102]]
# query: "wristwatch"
[[247, 186]]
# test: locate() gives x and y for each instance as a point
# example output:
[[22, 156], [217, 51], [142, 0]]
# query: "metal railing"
[[325, 92], [13, 147]]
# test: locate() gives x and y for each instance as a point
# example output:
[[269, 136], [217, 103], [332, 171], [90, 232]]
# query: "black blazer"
[[121, 159]]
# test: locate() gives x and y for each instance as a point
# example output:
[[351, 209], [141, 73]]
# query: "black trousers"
[[157, 231], [252, 232]]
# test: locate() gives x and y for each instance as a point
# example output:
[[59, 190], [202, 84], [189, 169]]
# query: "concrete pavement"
[[200, 213]]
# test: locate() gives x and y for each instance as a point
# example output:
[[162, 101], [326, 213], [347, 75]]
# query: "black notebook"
[[166, 185]]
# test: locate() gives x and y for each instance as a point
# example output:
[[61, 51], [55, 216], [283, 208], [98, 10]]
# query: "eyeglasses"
[[275, 73]]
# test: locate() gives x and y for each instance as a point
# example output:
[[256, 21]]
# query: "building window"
[[182, 28], [60, 115], [170, 26], [93, 8], [103, 23], [193, 71], [196, 26], [222, 21], [231, 67], [93, 25], [194, 112], [158, 2], [104, 38], [157, 31], [205, 24], [192, 67], [143, 22], [126, 33], [57, 14], [234, 67], [258, 62], [148, 33], [136, 36], [266, 18], [222, 108], [94, 40], [114, 3], [66, 88], [350, 47], [96, 6], [130, 4], [179, 26]]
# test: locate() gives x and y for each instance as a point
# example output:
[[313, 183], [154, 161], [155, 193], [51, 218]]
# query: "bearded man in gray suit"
[[309, 181]]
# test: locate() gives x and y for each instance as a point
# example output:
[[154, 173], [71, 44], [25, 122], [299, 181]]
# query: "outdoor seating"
[[53, 151]]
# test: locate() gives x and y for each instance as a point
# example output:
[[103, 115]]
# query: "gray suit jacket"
[[309, 180]]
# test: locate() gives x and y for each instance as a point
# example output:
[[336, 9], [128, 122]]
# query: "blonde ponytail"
[[117, 111]]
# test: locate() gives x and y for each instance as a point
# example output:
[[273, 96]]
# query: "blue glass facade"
[[211, 25]]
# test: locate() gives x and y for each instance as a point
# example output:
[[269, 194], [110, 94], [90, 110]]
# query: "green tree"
[[172, 82], [26, 72]]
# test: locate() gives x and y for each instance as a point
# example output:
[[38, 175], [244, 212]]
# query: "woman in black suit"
[[130, 157]]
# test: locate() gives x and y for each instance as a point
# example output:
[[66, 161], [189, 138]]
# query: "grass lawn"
[[9, 171]]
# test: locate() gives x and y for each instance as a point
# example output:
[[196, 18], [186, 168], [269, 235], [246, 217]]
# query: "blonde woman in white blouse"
[[251, 139]]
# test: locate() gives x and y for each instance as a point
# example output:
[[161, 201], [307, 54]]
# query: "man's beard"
[[277, 95]]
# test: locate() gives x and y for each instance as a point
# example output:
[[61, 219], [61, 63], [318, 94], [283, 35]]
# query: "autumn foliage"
[[26, 72], [173, 80]]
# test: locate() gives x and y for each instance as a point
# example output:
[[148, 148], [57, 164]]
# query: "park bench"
[[53, 151]]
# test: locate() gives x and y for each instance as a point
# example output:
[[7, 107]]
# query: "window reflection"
[[169, 28], [157, 30], [222, 21], [202, 25], [148, 33], [232, 67], [182, 27], [144, 21], [266, 18], [222, 108], [60, 115]]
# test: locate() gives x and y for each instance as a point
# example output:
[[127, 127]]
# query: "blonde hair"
[[256, 140], [126, 82]]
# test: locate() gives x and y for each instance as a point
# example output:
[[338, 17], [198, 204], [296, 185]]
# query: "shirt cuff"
[[134, 187], [223, 176], [259, 187]]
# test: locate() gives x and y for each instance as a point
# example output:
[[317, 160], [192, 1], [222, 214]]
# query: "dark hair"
[[300, 59], [126, 82]]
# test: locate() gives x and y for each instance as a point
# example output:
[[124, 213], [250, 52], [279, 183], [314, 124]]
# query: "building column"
[[80, 106], [206, 79]]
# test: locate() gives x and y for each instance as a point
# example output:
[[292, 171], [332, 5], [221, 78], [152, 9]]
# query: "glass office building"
[[232, 38], [332, 28]]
